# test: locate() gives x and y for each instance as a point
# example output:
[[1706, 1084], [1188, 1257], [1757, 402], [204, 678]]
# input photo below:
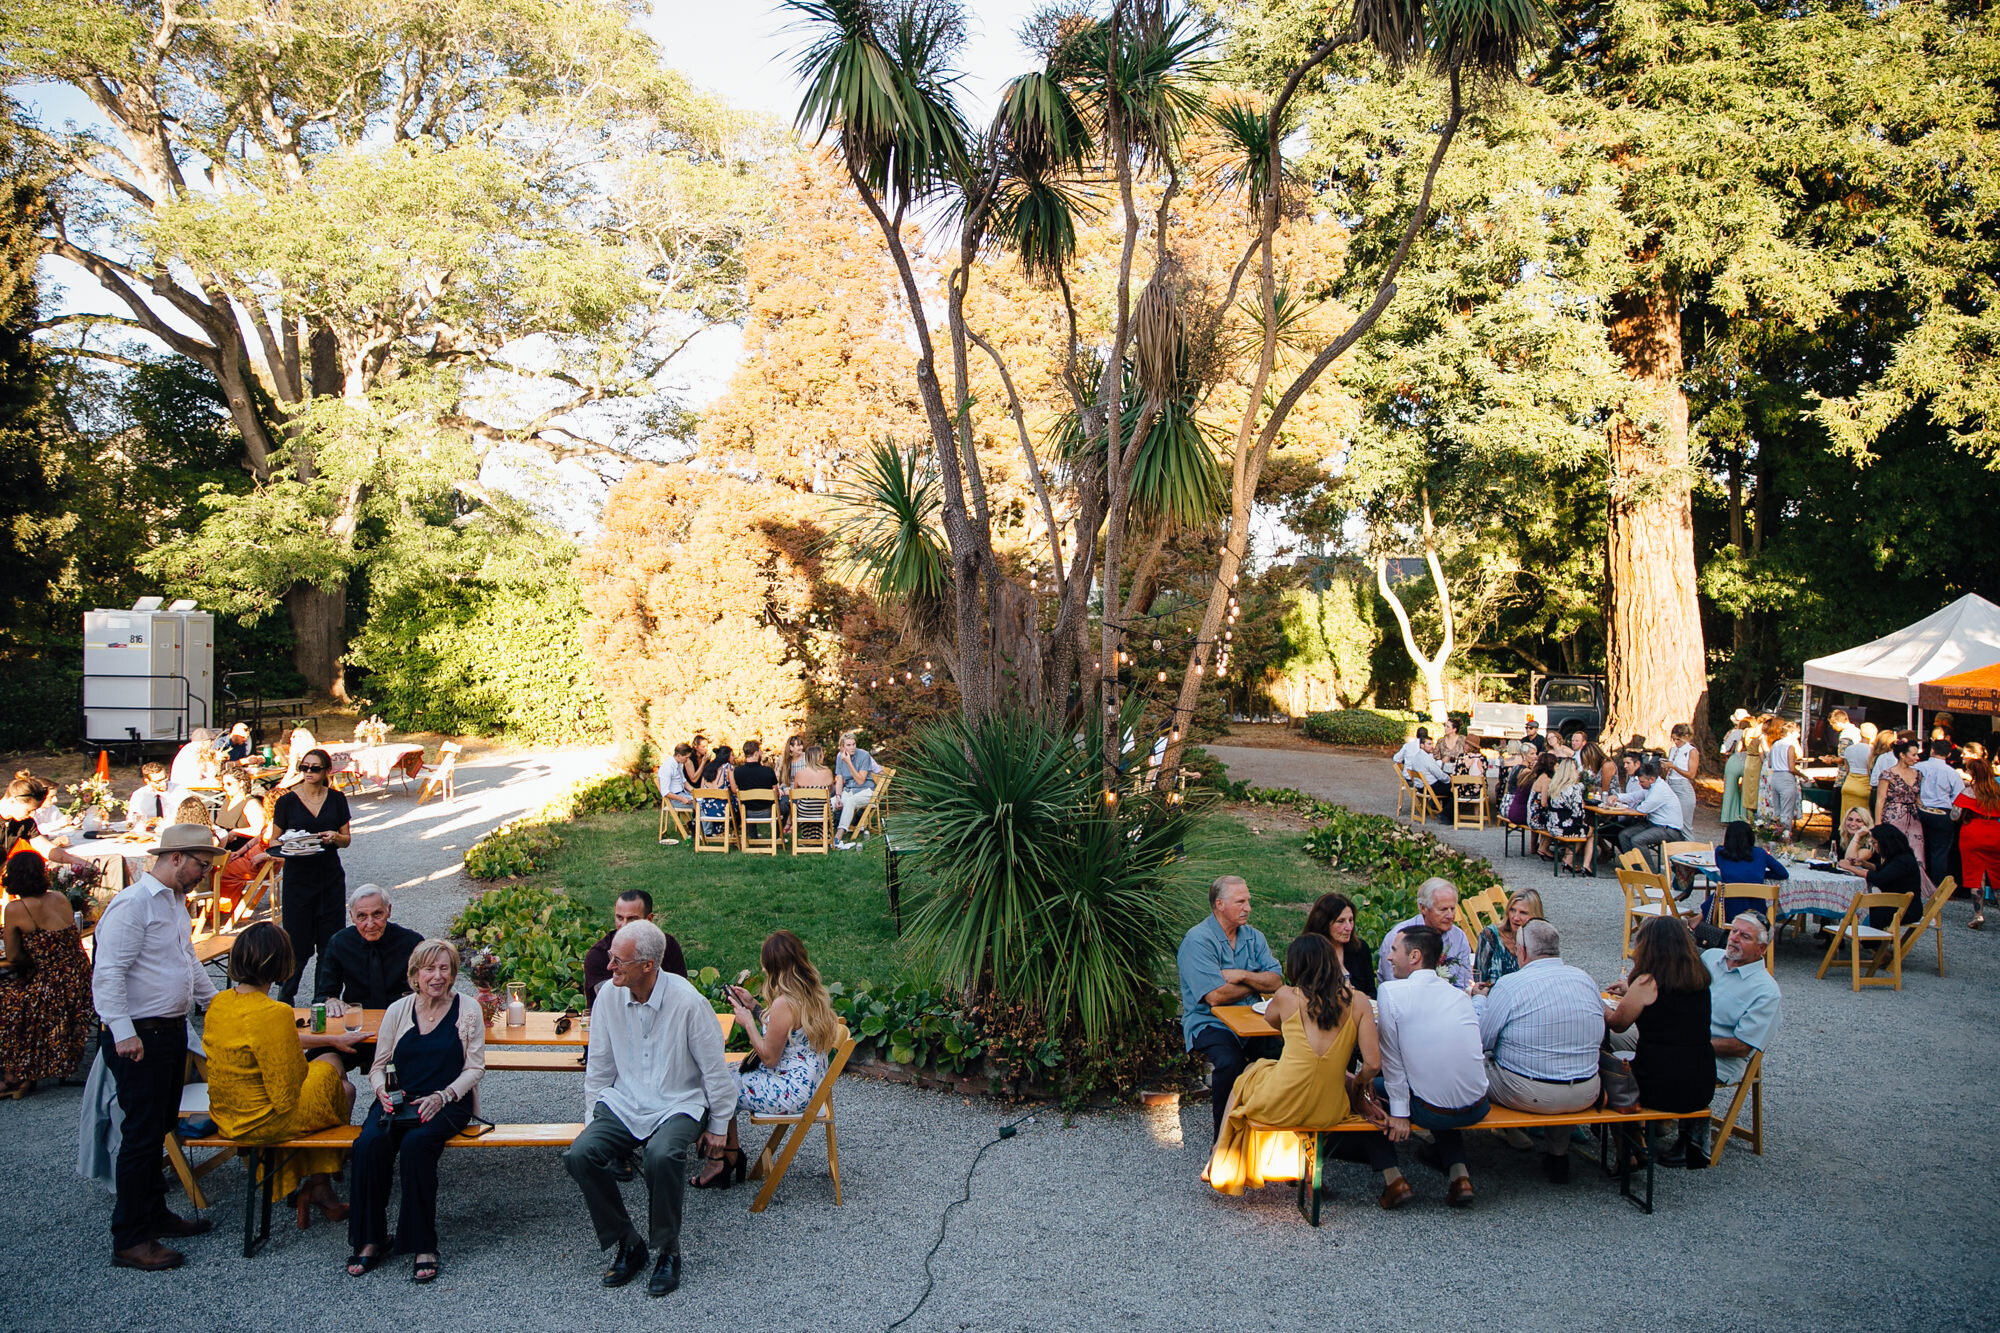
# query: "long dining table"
[[507, 1044]]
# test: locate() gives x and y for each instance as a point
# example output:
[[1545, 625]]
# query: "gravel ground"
[[1101, 1221]]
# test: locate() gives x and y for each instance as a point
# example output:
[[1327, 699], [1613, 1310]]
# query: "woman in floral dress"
[[1896, 803], [45, 1008], [791, 1040]]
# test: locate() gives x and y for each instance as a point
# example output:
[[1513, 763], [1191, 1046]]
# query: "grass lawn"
[[720, 907]]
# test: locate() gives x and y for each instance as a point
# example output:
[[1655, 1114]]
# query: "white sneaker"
[[844, 846]]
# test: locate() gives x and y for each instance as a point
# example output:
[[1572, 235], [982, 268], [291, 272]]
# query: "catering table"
[[1244, 1021], [110, 853], [1809, 892], [376, 763]]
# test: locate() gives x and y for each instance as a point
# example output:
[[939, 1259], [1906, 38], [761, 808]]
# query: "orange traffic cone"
[[104, 765]]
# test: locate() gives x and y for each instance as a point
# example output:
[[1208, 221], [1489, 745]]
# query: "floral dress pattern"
[[1565, 812], [46, 1018], [786, 1087]]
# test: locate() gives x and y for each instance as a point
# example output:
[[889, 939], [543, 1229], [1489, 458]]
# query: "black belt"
[[173, 1024]]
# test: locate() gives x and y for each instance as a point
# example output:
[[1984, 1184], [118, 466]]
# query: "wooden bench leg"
[[262, 1164], [1309, 1178]]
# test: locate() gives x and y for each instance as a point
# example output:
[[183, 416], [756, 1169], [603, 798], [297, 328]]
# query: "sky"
[[742, 51]]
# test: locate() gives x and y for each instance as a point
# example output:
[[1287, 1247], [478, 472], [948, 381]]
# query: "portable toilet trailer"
[[148, 673]]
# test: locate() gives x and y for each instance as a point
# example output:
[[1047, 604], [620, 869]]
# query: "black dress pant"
[[1940, 843], [311, 917], [149, 1102], [377, 1152], [1229, 1055]]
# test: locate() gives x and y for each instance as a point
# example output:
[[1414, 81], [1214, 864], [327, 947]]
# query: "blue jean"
[[1446, 1127]]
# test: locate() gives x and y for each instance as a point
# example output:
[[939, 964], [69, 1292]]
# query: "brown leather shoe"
[[1459, 1193], [1396, 1193], [175, 1228], [151, 1257]]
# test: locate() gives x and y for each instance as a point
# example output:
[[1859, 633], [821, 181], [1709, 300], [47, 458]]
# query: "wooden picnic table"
[[539, 1030], [1244, 1021]]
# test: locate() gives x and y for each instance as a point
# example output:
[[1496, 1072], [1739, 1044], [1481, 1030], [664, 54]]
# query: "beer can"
[[319, 1016]]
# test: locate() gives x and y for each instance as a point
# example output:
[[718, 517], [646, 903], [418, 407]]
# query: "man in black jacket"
[[366, 964], [632, 905]]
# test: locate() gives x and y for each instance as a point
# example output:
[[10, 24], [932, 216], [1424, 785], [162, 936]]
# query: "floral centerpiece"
[[483, 967], [93, 793], [372, 731]]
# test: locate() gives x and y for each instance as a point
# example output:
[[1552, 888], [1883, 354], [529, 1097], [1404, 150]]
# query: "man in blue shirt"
[[1225, 960], [1743, 1009]]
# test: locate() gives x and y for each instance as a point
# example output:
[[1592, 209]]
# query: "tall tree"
[[348, 215], [33, 519]]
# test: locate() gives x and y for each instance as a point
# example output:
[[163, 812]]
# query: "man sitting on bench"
[[1225, 960], [1658, 813], [1743, 1009], [1433, 1071], [1541, 1031]]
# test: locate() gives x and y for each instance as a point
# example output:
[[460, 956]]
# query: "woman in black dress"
[[1667, 995], [1333, 917], [315, 889]]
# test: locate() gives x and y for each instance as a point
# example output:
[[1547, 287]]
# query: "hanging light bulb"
[[1197, 668], [1163, 678], [1156, 645], [927, 664], [1111, 798]]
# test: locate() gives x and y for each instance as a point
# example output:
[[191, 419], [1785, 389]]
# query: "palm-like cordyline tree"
[[1113, 102]]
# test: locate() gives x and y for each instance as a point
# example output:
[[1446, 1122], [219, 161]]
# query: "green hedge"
[[1357, 726]]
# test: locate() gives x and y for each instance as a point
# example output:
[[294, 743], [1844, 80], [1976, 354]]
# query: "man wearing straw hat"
[[144, 981]]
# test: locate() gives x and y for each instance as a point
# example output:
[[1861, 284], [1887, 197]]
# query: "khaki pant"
[[1538, 1098]]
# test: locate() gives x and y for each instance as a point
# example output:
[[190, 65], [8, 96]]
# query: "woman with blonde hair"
[[1499, 950], [791, 1041], [1857, 756], [1566, 815]]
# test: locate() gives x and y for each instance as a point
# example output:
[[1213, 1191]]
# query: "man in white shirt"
[[157, 798], [1938, 786], [1414, 745], [144, 981], [1433, 1067], [654, 1074], [1657, 814], [1423, 766]]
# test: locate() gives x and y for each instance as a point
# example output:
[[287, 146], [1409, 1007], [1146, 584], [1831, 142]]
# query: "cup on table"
[[350, 1018]]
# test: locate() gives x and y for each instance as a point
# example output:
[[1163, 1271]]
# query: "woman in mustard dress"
[[261, 1087], [1306, 1087]]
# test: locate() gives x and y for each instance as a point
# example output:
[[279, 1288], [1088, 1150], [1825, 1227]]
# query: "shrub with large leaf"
[[1037, 890]]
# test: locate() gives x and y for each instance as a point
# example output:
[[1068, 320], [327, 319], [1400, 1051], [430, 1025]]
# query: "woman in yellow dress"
[[1307, 1086], [261, 1086], [1757, 740]]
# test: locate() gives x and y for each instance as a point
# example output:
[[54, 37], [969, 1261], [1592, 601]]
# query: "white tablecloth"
[[1826, 893]]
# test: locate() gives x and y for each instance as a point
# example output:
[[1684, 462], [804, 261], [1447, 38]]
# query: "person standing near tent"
[[1979, 837], [1938, 786], [1734, 757], [1782, 773]]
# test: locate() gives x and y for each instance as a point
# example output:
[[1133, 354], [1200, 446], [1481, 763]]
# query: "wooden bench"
[[1498, 1118], [261, 1161]]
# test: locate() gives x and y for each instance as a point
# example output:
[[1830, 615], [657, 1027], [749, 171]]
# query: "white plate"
[[1260, 1006], [298, 849]]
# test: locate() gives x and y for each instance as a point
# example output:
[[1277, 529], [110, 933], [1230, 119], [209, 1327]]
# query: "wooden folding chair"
[[204, 902], [1932, 919], [819, 1111], [1647, 895], [1724, 1127], [870, 816], [261, 890], [1854, 931], [1468, 793], [1424, 802], [765, 844], [440, 779], [1404, 795], [1634, 860], [712, 832], [194, 1101], [810, 810], [670, 820]]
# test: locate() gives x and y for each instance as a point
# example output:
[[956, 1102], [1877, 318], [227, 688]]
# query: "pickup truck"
[[1560, 703]]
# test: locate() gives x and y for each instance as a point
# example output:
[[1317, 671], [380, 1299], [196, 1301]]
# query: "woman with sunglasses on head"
[[308, 825]]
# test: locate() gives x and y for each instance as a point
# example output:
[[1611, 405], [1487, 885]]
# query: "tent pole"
[[1805, 719]]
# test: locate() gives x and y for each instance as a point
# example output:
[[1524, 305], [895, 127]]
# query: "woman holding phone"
[[791, 1035]]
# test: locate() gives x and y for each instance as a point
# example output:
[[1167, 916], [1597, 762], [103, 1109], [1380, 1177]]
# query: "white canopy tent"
[[1961, 637]]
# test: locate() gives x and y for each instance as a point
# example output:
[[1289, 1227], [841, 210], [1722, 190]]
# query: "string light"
[[1163, 678]]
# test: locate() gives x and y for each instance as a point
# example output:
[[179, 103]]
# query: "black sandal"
[[423, 1271], [734, 1164]]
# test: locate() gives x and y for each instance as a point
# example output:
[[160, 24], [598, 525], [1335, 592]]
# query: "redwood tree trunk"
[[1656, 657], [319, 620]]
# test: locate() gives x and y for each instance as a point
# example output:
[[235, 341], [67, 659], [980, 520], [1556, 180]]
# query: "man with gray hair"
[[654, 1076], [1743, 1009], [1437, 907], [1541, 1031], [1224, 959], [367, 962]]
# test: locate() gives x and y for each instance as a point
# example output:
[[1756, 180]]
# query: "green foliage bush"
[[1036, 889], [539, 937], [910, 1024], [480, 633], [1357, 726]]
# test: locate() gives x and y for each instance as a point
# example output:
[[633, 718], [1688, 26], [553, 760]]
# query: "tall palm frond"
[[1149, 85], [1036, 219], [1486, 39], [1245, 132], [1292, 308], [878, 78], [1397, 29], [1044, 130], [892, 536], [1176, 476]]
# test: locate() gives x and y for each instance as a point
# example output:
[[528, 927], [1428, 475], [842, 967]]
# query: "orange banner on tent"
[[1967, 692]]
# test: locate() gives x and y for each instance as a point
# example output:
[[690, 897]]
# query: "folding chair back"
[[1854, 932], [1403, 795], [440, 779], [1932, 920], [812, 822], [1767, 894], [763, 843], [1647, 895], [1423, 801], [1633, 860], [870, 816], [1468, 794], [714, 819], [1670, 850], [260, 893], [819, 1111]]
